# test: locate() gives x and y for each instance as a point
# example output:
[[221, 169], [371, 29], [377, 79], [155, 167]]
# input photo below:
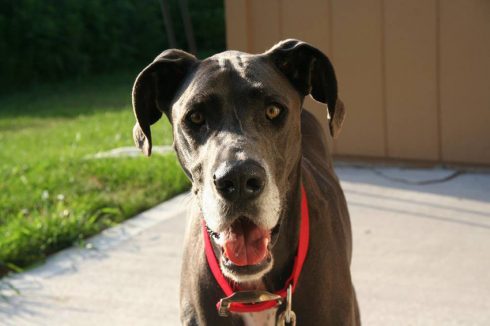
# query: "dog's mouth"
[[244, 243], [245, 247]]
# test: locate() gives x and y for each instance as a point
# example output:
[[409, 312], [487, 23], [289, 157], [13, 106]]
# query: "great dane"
[[248, 146]]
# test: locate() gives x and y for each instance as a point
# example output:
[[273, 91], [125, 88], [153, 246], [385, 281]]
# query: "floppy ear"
[[310, 72], [153, 92]]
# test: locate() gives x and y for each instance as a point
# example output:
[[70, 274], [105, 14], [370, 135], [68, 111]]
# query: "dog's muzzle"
[[239, 183]]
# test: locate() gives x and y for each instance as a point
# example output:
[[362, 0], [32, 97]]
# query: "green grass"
[[51, 194]]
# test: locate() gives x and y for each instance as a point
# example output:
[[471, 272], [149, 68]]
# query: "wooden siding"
[[414, 74]]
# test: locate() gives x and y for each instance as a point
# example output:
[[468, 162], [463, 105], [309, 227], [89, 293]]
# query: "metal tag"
[[288, 315]]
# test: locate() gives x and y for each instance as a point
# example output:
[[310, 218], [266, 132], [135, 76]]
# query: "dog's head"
[[237, 134]]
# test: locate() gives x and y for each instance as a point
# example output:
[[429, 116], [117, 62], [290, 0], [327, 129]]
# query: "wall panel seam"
[[330, 54], [280, 20], [438, 81], [248, 28], [383, 79]]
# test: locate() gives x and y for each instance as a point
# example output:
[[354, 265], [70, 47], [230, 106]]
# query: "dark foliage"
[[52, 40]]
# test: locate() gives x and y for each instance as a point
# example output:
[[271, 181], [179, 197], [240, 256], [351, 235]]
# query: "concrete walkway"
[[421, 257]]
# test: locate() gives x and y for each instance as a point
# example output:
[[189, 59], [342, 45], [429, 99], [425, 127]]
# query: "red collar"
[[293, 279]]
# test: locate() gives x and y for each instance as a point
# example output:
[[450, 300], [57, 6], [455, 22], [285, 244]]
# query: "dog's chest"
[[262, 318]]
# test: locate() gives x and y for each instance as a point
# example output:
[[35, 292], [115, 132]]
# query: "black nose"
[[240, 180]]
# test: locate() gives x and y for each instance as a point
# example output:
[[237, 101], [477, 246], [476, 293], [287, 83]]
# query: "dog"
[[252, 152]]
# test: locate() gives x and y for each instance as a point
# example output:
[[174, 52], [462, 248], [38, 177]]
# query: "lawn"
[[52, 193]]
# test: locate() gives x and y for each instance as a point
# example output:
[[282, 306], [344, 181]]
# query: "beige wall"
[[414, 74]]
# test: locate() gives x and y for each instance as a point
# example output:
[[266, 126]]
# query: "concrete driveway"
[[421, 257]]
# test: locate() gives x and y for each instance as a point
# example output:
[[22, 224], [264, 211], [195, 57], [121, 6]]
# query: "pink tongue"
[[245, 243]]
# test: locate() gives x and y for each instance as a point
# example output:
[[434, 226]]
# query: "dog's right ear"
[[310, 72], [154, 89]]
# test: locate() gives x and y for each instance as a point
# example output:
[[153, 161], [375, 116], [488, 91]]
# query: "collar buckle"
[[246, 297]]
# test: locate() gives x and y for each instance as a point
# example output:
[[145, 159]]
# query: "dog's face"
[[233, 125], [236, 124]]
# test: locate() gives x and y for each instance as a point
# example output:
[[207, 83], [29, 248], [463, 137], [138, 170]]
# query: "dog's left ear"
[[154, 90], [310, 72]]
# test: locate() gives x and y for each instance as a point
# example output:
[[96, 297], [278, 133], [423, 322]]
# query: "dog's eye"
[[272, 112], [196, 118]]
